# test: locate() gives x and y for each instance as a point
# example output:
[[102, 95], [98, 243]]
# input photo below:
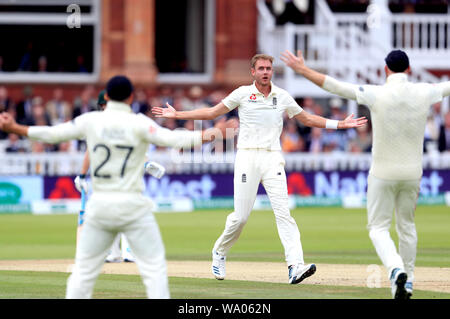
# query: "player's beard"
[[264, 82]]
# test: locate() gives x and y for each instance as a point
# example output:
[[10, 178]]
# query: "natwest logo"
[[252, 98]]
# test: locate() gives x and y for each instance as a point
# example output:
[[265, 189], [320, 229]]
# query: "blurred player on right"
[[399, 112]]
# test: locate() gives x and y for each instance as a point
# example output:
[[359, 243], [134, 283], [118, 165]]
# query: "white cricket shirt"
[[260, 117], [399, 110], [117, 141]]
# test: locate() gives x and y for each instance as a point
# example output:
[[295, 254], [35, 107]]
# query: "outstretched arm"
[[153, 133], [313, 120], [9, 125], [297, 63], [49, 134], [207, 113]]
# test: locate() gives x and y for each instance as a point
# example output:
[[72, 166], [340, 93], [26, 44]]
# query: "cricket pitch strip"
[[427, 278]]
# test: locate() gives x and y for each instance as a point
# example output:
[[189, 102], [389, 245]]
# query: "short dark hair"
[[397, 61], [119, 88]]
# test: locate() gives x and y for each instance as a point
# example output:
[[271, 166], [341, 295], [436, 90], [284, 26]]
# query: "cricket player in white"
[[117, 140], [259, 160], [399, 111], [117, 252]]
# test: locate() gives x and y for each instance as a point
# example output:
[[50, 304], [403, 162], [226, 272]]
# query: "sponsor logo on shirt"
[[252, 98], [274, 102]]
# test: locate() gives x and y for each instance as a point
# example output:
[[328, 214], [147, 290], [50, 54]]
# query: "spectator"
[[216, 97], [309, 105], [23, 109], [140, 104], [336, 109], [84, 103], [37, 147], [334, 141], [39, 115], [171, 124], [81, 64], [444, 134], [189, 125], [315, 142], [59, 110], [5, 106], [432, 127], [26, 60], [362, 142], [15, 144], [5, 101], [155, 101], [196, 99], [179, 103], [67, 147], [291, 141], [166, 95], [42, 64]]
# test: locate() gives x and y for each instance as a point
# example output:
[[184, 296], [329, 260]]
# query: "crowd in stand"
[[33, 110], [302, 11]]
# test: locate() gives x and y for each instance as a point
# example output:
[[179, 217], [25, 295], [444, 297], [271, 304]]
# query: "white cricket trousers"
[[384, 197], [251, 168], [107, 214]]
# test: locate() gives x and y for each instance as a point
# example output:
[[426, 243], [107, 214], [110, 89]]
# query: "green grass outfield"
[[329, 235]]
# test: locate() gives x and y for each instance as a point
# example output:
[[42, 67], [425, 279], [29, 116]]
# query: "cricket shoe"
[[398, 282], [218, 265], [113, 259], [128, 259], [409, 289], [298, 273], [127, 256]]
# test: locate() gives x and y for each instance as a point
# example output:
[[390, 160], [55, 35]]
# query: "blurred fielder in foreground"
[[117, 140], [261, 107], [399, 112], [120, 249]]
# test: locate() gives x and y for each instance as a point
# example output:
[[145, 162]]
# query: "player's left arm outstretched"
[[329, 84], [326, 82]]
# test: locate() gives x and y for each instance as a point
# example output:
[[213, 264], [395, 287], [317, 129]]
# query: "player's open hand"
[[350, 122], [167, 112], [6, 121], [294, 62]]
